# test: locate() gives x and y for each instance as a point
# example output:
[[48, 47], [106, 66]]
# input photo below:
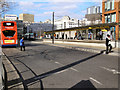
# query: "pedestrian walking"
[[101, 35], [90, 35], [108, 44], [22, 45]]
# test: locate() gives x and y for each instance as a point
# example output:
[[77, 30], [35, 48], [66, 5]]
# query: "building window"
[[88, 10], [119, 16], [64, 24], [119, 32], [113, 18], [108, 18], [105, 19], [112, 5], [109, 5], [119, 5], [72, 19], [105, 6], [94, 10]]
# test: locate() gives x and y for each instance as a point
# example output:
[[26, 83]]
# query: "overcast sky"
[[42, 9]]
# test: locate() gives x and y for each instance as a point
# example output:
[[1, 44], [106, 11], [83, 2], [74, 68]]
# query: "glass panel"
[[8, 33], [105, 6], [119, 16], [108, 18], [108, 5], [112, 4], [113, 17], [119, 5], [94, 9], [119, 32], [88, 10], [8, 24], [105, 19]]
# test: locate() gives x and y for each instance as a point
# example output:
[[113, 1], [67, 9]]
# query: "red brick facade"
[[115, 10]]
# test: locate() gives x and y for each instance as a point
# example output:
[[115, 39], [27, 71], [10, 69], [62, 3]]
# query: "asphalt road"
[[43, 66]]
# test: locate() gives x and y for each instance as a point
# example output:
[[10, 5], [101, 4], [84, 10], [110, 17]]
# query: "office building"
[[27, 18], [111, 14], [93, 15], [93, 10]]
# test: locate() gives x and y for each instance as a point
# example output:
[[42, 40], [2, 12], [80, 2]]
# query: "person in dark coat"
[[22, 44], [108, 45], [101, 35]]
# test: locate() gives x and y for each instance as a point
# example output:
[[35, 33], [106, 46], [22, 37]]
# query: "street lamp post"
[[78, 23], [40, 32]]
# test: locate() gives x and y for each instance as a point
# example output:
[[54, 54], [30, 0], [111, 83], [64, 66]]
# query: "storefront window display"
[[112, 30]]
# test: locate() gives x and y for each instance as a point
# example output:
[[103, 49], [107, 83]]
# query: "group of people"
[[108, 44]]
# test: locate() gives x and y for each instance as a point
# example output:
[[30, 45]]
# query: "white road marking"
[[111, 70], [96, 81], [74, 69], [58, 63], [70, 68], [61, 71]]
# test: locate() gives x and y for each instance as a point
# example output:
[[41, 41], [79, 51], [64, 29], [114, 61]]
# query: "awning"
[[104, 30], [96, 26]]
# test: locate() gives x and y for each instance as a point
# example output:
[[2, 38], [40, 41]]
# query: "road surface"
[[44, 66]]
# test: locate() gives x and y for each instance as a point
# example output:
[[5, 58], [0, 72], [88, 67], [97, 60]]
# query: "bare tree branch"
[[5, 6]]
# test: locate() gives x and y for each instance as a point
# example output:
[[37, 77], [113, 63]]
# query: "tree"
[[5, 6]]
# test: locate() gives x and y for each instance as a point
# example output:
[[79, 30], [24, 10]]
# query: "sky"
[[42, 9]]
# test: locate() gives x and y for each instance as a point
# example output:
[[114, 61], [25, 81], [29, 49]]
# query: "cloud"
[[61, 6], [43, 9], [29, 4], [70, 7], [61, 9], [26, 6], [59, 0]]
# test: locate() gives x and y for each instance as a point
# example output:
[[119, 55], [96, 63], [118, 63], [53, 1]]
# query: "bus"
[[8, 33]]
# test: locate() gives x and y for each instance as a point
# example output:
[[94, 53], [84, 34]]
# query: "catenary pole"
[[53, 29]]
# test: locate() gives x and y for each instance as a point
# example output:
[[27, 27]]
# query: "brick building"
[[111, 14]]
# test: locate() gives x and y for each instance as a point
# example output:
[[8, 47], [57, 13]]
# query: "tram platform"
[[84, 45]]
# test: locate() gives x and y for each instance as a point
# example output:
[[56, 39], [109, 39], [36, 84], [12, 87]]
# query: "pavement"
[[1, 73], [12, 74]]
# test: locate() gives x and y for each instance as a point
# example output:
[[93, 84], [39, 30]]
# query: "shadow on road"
[[61, 68], [16, 82], [36, 78], [83, 85]]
